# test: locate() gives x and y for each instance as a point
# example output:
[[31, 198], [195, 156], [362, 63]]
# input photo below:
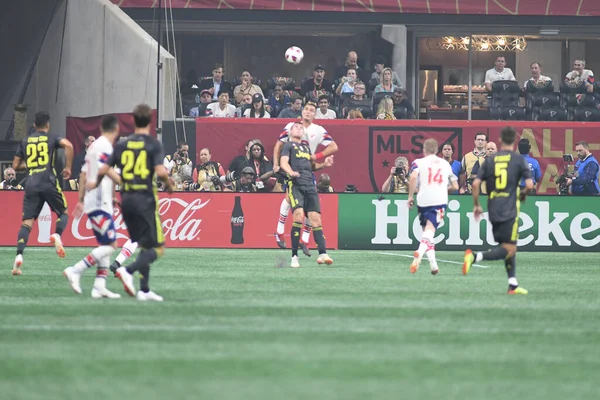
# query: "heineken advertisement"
[[547, 223]]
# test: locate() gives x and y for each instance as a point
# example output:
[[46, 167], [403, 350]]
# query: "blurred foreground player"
[[37, 154], [297, 164], [434, 178], [140, 159], [502, 173]]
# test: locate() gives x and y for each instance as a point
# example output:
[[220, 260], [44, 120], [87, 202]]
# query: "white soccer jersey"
[[435, 174], [100, 198], [314, 135]]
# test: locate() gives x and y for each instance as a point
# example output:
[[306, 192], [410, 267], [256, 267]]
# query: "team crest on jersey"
[[386, 143], [100, 223]]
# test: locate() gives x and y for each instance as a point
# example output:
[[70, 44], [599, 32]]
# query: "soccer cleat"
[[114, 267], [58, 246], [305, 249], [295, 263], [99, 293], [73, 277], [150, 296], [518, 290], [468, 261], [280, 240], [17, 265], [127, 280], [435, 271], [414, 266], [324, 259]]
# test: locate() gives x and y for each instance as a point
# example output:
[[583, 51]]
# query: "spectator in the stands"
[[257, 110], [352, 62], [10, 180], [294, 110], [240, 162], [245, 105], [400, 99], [355, 114], [358, 100], [278, 100], [498, 73], [379, 67], [222, 109], [386, 109], [217, 84], [206, 174], [79, 159], [246, 87], [180, 162], [347, 83], [324, 184], [386, 84], [205, 100], [323, 112], [536, 75], [317, 84], [262, 167], [580, 74]]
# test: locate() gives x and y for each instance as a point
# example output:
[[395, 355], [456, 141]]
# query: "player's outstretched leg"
[[61, 224], [127, 251], [143, 261], [295, 235], [22, 239], [497, 253], [424, 245], [306, 237], [284, 210], [73, 274]]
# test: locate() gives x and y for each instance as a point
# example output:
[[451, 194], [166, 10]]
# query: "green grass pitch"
[[233, 326]]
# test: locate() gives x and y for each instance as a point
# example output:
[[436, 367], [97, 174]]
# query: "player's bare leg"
[[315, 220], [425, 246], [284, 210], [22, 240]]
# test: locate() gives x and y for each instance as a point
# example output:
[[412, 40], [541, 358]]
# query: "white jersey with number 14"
[[435, 174]]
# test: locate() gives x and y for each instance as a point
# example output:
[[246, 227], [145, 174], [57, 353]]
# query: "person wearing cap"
[[257, 110], [533, 164], [217, 84], [205, 100], [378, 74], [317, 84]]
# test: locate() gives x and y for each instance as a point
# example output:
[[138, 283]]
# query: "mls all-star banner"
[[368, 148], [195, 220], [489, 7]]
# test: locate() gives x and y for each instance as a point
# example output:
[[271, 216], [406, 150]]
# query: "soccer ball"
[[294, 55]]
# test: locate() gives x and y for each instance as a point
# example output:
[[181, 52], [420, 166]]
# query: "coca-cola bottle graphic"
[[237, 222], [44, 221]]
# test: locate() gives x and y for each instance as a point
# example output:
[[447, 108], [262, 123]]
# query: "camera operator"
[[179, 163], [397, 182], [534, 165], [585, 181], [207, 175], [10, 180], [245, 183]]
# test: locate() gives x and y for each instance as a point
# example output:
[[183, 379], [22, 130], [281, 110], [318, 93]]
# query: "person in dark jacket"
[[262, 166]]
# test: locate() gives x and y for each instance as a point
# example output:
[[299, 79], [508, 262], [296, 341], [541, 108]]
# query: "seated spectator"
[[240, 162], [200, 110], [355, 114], [498, 73], [358, 100], [347, 83], [257, 110], [397, 182], [580, 74], [10, 180], [317, 84], [379, 67], [386, 109], [278, 101], [294, 110], [324, 184], [245, 183], [246, 104], [536, 75], [246, 87], [217, 84], [263, 168], [386, 84], [222, 109], [401, 100], [206, 174], [352, 63], [323, 112]]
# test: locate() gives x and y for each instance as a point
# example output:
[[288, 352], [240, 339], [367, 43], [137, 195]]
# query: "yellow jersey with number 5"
[[136, 157], [503, 173]]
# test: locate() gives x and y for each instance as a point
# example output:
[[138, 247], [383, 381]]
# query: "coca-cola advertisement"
[[196, 220]]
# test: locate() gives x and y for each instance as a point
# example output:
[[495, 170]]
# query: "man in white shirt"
[[536, 75], [498, 73], [323, 112], [222, 109], [433, 175], [580, 74]]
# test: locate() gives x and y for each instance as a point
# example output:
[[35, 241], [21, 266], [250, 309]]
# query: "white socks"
[[513, 282], [127, 251], [426, 243], [478, 256], [306, 231], [93, 258], [284, 210]]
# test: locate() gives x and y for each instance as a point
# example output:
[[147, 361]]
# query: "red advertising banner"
[[488, 7], [195, 220], [368, 148]]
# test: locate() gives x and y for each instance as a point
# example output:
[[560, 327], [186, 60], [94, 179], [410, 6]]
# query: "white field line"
[[444, 261]]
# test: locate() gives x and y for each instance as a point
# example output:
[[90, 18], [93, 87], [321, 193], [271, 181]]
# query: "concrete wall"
[[108, 65]]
